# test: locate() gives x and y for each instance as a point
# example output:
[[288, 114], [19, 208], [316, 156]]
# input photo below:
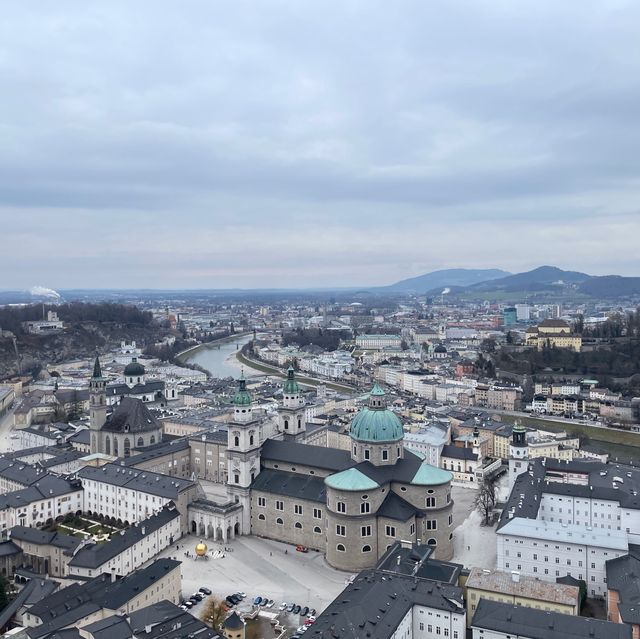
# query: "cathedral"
[[352, 505]]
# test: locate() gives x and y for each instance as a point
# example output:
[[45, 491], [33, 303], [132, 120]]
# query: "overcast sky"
[[296, 143]]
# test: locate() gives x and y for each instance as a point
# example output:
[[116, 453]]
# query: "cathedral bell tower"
[[243, 452], [97, 406], [292, 422]]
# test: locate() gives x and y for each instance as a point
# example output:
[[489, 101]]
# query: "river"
[[219, 359]]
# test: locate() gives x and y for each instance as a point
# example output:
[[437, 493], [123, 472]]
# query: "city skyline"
[[288, 146]]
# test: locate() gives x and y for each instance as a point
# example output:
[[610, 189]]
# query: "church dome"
[[134, 368], [376, 423]]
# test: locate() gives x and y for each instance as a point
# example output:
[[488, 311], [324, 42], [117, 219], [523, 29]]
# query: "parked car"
[[264, 601], [236, 598], [184, 607], [312, 614], [270, 603], [302, 629], [257, 601], [230, 601], [205, 590], [309, 622], [305, 611], [283, 605], [240, 596], [198, 596], [188, 603], [291, 607], [301, 548], [296, 610]]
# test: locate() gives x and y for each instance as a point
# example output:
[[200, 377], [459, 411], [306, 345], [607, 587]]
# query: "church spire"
[[97, 371]]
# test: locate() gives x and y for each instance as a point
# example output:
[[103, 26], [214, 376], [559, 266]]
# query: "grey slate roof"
[[456, 452], [305, 454], [394, 507], [541, 624], [122, 390], [376, 602], [157, 450], [134, 479], [96, 555], [278, 482], [623, 576], [66, 606], [8, 549], [41, 537], [131, 416]]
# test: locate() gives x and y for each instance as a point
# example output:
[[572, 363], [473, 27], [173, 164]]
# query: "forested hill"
[[87, 327]]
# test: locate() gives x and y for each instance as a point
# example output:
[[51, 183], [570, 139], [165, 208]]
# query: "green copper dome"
[[243, 396], [351, 479], [291, 385], [376, 423]]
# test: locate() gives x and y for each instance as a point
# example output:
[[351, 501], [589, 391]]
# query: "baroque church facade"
[[351, 505]]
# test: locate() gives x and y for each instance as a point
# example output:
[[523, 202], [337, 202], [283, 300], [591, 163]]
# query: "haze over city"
[[235, 144]]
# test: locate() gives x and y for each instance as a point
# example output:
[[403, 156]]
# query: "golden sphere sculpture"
[[201, 549]]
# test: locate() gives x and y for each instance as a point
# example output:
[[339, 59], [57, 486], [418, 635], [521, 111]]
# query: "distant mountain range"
[[447, 278], [541, 280]]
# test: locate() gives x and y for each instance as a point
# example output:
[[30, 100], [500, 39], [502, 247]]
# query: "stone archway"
[[201, 528], [236, 529], [218, 536], [209, 530], [194, 527], [229, 532]]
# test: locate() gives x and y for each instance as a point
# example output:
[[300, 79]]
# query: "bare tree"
[[486, 499], [213, 613]]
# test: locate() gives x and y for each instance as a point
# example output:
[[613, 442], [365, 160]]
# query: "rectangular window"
[[365, 531], [365, 507], [432, 524], [385, 455], [341, 507], [317, 513], [297, 509], [279, 505], [262, 502], [390, 531], [341, 530]]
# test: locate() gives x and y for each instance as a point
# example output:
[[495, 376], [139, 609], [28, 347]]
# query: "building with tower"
[[243, 452], [352, 504], [518, 453], [129, 428], [292, 421], [136, 385]]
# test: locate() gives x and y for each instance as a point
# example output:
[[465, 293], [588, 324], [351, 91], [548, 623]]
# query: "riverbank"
[[192, 350], [302, 379]]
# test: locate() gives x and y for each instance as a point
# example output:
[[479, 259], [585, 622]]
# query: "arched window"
[[152, 439], [286, 424], [340, 548], [261, 517], [354, 451], [127, 447], [430, 502], [107, 445], [236, 440], [299, 424], [250, 439], [140, 442], [316, 529], [366, 548], [115, 446], [298, 525], [432, 542], [279, 521]]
